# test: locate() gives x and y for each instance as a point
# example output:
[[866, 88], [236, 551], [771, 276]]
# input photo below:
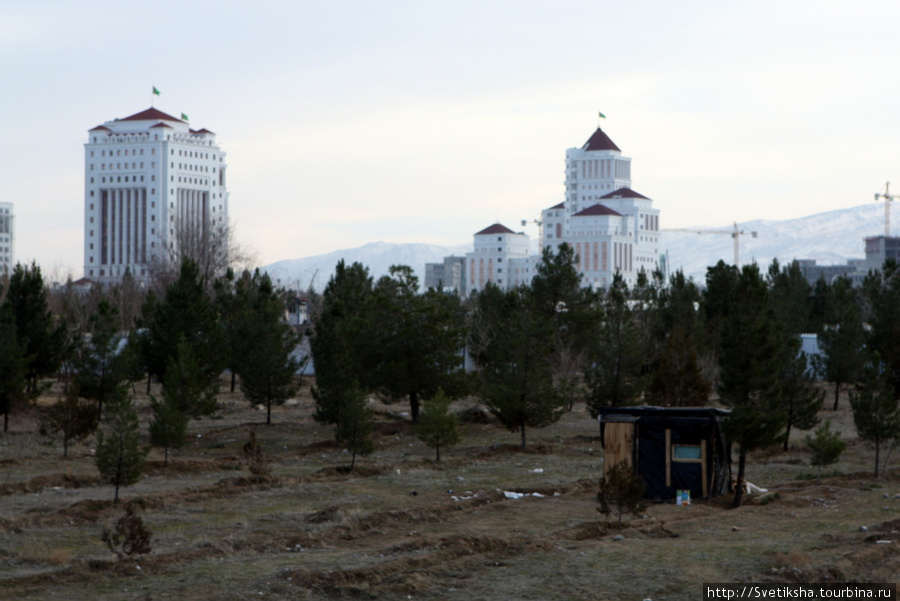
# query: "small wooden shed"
[[671, 448]]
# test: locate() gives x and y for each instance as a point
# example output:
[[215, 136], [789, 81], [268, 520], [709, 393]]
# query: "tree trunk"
[[522, 432], [269, 412], [837, 390], [352, 461], [437, 452], [149, 377], [232, 379], [414, 406], [877, 456], [739, 490], [787, 435], [6, 422]]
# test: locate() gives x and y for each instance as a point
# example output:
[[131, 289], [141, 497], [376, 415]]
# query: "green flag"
[[602, 116], [155, 91], [184, 117]]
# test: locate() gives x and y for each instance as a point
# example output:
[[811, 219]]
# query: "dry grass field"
[[402, 526]]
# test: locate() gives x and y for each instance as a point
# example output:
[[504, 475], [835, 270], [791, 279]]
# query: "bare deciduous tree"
[[211, 246]]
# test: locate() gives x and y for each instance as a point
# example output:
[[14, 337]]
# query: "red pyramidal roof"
[[600, 141], [624, 193], [150, 114], [561, 205], [496, 229], [101, 127], [596, 210]]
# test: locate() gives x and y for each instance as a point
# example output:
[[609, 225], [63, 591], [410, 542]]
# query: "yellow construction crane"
[[888, 197], [736, 234]]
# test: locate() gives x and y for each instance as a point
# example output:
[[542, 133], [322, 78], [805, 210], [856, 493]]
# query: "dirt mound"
[[394, 428], [342, 472], [39, 483], [475, 415], [511, 449], [329, 514], [408, 575], [601, 529], [871, 563], [182, 466]]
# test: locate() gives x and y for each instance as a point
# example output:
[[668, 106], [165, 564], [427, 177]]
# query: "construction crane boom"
[[888, 197], [736, 234]]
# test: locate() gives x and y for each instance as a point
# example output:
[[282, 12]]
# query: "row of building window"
[[192, 154], [189, 167], [103, 272], [103, 166], [118, 152], [118, 179]]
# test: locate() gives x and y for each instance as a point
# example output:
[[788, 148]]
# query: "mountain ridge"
[[830, 237]]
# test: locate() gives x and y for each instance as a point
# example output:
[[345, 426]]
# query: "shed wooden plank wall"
[[619, 442]]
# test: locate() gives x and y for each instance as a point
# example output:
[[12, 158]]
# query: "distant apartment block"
[[146, 176], [878, 249], [7, 256], [449, 275]]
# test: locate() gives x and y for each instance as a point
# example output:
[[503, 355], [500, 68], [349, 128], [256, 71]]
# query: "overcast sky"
[[348, 122]]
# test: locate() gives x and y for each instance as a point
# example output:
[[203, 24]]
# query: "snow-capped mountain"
[[299, 274], [830, 238]]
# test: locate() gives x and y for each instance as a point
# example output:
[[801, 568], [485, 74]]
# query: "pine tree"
[[438, 427], [185, 384], [576, 317], [801, 399], [13, 367], [232, 309], [826, 447], [420, 338], [515, 370], [69, 419], [99, 367], [614, 374], [342, 340], [882, 290], [168, 428], [789, 296], [752, 352], [621, 488], [876, 412], [185, 312], [44, 340], [119, 457], [843, 337], [354, 425], [677, 380], [268, 368]]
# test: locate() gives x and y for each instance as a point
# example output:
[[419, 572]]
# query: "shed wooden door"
[[619, 439]]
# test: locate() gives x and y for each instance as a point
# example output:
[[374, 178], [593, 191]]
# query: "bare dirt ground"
[[402, 526]]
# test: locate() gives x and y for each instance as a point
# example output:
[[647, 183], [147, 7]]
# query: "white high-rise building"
[[611, 227], [7, 261], [498, 253], [146, 177]]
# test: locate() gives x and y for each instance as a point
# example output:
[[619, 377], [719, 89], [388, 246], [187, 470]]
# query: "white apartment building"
[[7, 261], [498, 253], [146, 176], [610, 226]]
